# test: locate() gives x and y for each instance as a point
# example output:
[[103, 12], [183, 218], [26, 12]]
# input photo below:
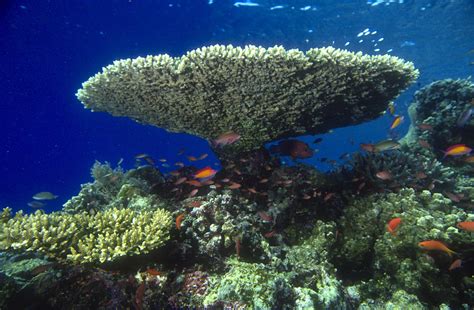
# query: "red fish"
[[293, 148], [393, 225], [234, 185], [457, 150], [153, 272], [436, 245], [225, 139], [468, 226], [425, 127], [194, 183], [455, 265], [424, 144], [180, 180], [265, 216], [204, 173], [179, 220], [193, 192], [384, 175]]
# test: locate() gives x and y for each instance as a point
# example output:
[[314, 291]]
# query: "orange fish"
[[204, 173], [397, 121], [192, 158], [457, 150], [469, 226], [436, 245], [179, 220], [393, 225], [180, 180], [193, 192], [425, 127], [424, 144], [225, 139], [384, 175], [293, 148], [455, 265], [469, 159], [234, 185], [194, 183], [153, 272]]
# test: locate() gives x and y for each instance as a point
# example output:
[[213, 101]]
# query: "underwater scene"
[[224, 154]]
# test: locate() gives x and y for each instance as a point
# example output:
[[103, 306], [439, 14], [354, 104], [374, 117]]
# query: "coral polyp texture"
[[263, 94], [85, 238]]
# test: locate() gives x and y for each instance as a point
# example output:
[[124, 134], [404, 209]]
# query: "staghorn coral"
[[85, 238], [385, 263], [262, 94]]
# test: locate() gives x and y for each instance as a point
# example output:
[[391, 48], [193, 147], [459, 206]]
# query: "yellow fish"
[[397, 121]]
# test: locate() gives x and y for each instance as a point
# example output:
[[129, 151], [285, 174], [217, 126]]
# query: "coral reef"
[[435, 114], [114, 188], [261, 94], [384, 262], [82, 238]]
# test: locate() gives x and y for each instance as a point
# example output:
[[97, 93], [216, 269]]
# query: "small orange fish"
[[384, 175], [175, 173], [424, 144], [208, 182], [225, 139], [457, 150], [455, 265], [180, 180], [193, 192], [436, 245], [179, 220], [397, 121], [328, 196], [234, 185], [252, 190], [265, 216], [192, 158], [469, 159], [195, 183], [153, 272], [263, 181], [425, 127], [195, 204], [393, 225], [469, 226], [204, 173]]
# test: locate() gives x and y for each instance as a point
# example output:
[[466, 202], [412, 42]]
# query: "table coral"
[[263, 94], [85, 238]]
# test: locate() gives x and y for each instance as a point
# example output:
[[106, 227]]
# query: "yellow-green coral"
[[262, 94], [102, 237]]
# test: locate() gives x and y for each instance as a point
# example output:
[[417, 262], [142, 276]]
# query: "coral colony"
[[390, 228]]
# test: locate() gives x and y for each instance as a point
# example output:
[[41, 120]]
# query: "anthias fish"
[[293, 148], [204, 173], [432, 245], [386, 145], [393, 225], [457, 150], [225, 139], [468, 226]]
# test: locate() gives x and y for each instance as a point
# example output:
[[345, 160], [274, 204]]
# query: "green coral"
[[82, 238], [250, 283], [397, 262], [262, 94]]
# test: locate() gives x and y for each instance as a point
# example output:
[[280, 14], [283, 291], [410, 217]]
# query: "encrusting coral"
[[261, 94], [85, 238]]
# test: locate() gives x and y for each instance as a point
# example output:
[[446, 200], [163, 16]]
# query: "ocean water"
[[49, 142]]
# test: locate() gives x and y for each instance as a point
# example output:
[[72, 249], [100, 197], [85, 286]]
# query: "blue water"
[[48, 142]]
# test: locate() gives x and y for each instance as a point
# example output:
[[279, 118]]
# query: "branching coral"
[[103, 237], [262, 94]]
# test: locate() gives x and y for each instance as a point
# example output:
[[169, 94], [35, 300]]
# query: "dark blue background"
[[48, 48]]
